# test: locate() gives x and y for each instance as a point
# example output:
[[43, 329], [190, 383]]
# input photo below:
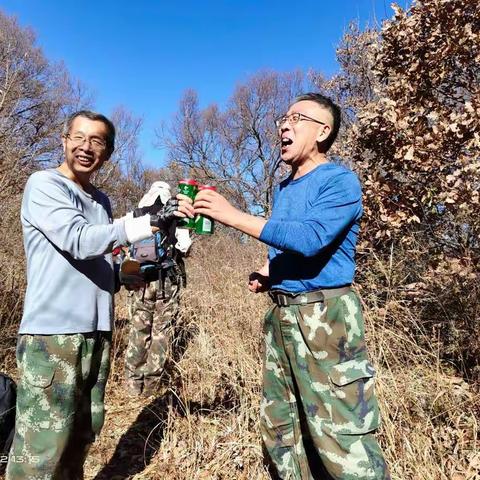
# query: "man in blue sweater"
[[65, 333], [319, 410]]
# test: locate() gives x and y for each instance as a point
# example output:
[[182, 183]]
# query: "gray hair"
[[92, 116]]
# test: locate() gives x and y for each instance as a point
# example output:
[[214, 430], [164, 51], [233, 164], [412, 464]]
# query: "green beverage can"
[[204, 225], [188, 187]]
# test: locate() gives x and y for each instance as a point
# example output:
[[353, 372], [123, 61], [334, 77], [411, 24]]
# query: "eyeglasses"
[[95, 143], [294, 118]]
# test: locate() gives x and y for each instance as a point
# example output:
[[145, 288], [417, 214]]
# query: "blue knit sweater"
[[313, 230]]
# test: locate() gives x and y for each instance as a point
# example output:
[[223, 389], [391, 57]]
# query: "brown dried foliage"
[[417, 142]]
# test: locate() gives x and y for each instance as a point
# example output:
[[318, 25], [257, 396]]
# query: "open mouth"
[[286, 142], [84, 160]]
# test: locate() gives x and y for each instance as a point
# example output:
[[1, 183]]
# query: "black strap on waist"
[[284, 299]]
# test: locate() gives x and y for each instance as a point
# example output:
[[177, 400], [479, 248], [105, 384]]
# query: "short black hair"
[[329, 105], [92, 116]]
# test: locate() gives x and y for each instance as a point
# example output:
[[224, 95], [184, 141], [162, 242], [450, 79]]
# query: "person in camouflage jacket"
[[154, 311]]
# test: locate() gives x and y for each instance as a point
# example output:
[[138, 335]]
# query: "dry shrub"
[[204, 425], [12, 280], [10, 312], [430, 412], [216, 386], [438, 291]]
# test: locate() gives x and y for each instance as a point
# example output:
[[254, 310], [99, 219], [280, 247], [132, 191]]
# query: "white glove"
[[183, 239], [138, 228], [158, 189]]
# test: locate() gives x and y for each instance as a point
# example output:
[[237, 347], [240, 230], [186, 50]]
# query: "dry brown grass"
[[204, 425], [204, 422]]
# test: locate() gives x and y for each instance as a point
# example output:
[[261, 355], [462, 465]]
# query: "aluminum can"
[[188, 187], [204, 225]]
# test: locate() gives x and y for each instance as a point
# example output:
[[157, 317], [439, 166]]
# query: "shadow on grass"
[[143, 439], [139, 443]]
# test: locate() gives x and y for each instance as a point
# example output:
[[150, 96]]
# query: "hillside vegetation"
[[410, 95]]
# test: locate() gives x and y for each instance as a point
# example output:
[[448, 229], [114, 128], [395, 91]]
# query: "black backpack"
[[8, 396]]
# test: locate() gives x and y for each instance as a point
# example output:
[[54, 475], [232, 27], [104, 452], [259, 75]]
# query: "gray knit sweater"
[[68, 236]]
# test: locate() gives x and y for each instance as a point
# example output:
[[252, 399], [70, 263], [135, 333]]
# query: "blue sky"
[[144, 54]]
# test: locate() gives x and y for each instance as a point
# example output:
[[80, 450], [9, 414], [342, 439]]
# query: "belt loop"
[[272, 296], [282, 300]]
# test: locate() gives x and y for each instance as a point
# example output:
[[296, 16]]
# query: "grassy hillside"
[[203, 424]]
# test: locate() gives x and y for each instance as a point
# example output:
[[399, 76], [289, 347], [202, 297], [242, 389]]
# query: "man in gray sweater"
[[65, 333]]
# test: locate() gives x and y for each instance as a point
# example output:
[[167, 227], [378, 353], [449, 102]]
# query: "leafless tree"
[[35, 95], [237, 147]]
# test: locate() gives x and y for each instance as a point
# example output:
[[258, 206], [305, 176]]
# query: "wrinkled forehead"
[[311, 109]]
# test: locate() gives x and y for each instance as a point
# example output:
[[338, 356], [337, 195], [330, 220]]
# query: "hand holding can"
[[188, 187], [204, 225]]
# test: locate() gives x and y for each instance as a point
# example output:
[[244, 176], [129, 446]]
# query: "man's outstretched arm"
[[332, 212], [214, 205]]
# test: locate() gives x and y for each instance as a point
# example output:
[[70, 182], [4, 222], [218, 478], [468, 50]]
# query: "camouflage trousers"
[[319, 408], [60, 405], [150, 337]]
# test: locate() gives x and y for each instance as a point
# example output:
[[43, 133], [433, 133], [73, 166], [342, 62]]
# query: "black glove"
[[265, 281], [164, 220], [154, 209]]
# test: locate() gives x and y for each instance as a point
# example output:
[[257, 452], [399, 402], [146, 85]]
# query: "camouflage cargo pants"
[[151, 328], [60, 405], [319, 408]]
